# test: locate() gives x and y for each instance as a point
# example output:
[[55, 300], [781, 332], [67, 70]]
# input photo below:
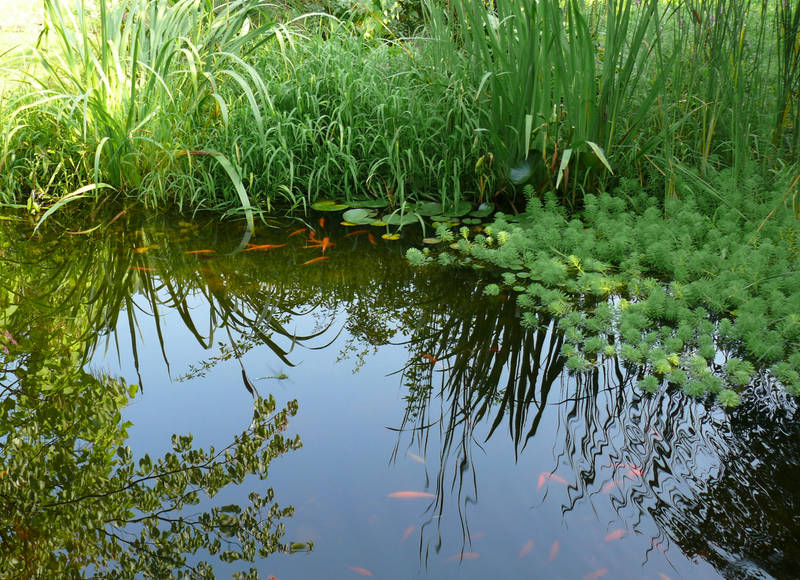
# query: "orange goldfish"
[[300, 231], [610, 485], [326, 243], [200, 252], [410, 494], [360, 571], [554, 551], [544, 476], [431, 358], [596, 574], [526, 548], [263, 247], [615, 535], [142, 269], [355, 233], [407, 533], [372, 239], [307, 262], [322, 222]]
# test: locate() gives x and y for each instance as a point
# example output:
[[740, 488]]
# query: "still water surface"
[[410, 380]]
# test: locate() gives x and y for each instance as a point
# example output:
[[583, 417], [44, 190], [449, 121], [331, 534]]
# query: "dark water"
[[408, 380]]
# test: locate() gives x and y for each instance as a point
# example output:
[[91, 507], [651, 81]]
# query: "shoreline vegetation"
[[643, 153]]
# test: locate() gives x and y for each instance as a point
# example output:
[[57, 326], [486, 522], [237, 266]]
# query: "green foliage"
[[674, 291], [75, 496]]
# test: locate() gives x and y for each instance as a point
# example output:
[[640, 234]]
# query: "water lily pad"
[[398, 219], [370, 203], [348, 224], [359, 216], [457, 210], [431, 241], [484, 210], [388, 236], [328, 205], [427, 208], [471, 221], [378, 223]]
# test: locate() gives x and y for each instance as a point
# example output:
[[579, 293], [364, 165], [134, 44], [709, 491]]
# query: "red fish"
[[407, 533], [312, 236], [200, 252], [526, 548], [326, 243], [632, 469], [615, 535], [431, 358], [596, 574], [544, 476], [554, 551], [322, 222], [355, 233], [464, 556], [610, 485], [410, 494], [372, 239], [495, 349], [416, 458], [296, 232], [142, 269], [306, 263], [360, 571], [263, 247]]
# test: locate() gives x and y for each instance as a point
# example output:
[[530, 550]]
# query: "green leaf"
[[328, 205], [359, 216], [398, 219]]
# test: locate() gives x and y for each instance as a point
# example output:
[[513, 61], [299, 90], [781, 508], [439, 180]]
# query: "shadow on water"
[[718, 486]]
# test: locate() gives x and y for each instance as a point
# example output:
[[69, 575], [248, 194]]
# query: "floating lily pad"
[[427, 208], [431, 241], [520, 288], [471, 221], [484, 210], [457, 210], [370, 203], [378, 223], [398, 219], [388, 236], [359, 216], [445, 220], [348, 224], [328, 205]]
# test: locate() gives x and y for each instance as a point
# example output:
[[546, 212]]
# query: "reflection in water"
[[721, 486], [718, 486], [72, 496]]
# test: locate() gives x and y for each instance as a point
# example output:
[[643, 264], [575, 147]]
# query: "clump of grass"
[[122, 91], [355, 118]]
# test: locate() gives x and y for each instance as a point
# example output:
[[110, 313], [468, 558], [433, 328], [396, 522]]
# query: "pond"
[[440, 438]]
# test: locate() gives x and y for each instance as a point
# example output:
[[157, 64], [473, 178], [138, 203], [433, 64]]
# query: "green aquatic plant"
[[666, 294]]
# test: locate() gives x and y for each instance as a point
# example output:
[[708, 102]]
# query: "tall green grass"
[[124, 90], [650, 88], [353, 118], [184, 103]]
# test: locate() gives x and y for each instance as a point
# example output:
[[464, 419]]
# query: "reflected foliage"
[[74, 500], [680, 470]]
